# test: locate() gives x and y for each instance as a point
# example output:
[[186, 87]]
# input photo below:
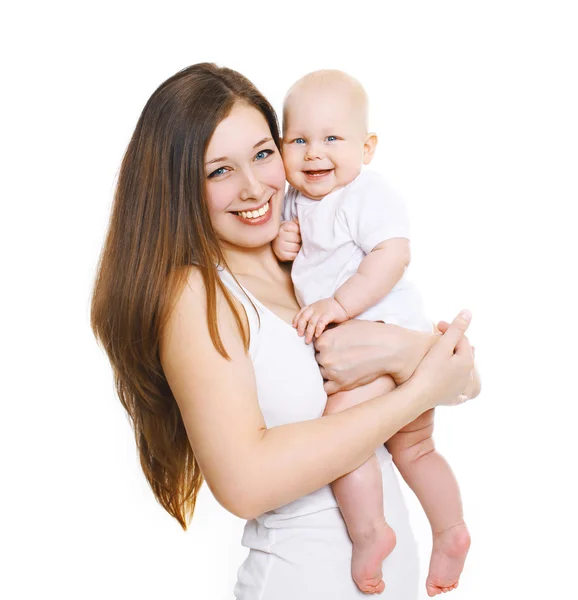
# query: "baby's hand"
[[288, 241], [313, 319]]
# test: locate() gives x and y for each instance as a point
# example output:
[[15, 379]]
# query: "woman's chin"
[[257, 238]]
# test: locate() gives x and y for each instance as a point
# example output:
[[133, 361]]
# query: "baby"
[[347, 233]]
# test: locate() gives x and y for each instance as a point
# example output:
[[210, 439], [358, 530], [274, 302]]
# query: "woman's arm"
[[251, 469], [357, 352]]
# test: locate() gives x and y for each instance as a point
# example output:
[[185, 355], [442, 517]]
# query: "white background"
[[476, 106]]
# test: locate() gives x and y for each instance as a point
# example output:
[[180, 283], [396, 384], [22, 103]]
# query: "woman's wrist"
[[414, 399], [403, 350]]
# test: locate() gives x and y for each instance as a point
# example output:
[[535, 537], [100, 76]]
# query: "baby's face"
[[323, 142]]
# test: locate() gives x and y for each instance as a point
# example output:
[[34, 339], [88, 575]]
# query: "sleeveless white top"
[[302, 550], [289, 387]]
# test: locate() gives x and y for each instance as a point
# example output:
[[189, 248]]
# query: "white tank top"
[[289, 387]]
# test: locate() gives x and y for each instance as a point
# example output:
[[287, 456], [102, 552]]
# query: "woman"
[[194, 312]]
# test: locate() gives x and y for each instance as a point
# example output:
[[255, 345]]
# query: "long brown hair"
[[159, 225]]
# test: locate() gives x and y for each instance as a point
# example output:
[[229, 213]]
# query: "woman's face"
[[245, 179]]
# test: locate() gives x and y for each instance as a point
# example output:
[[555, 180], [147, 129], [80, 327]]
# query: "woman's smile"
[[256, 216]]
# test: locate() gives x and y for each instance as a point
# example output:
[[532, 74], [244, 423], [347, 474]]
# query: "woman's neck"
[[253, 262]]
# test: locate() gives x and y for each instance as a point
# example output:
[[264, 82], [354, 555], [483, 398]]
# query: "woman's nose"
[[252, 188]]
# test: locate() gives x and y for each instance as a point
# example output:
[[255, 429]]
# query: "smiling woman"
[[160, 226], [246, 183], [195, 311]]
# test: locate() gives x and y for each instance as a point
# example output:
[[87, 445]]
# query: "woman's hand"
[[445, 372], [474, 386], [358, 352]]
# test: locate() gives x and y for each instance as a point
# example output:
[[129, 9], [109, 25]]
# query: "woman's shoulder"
[[192, 294], [188, 309], [194, 290], [188, 320]]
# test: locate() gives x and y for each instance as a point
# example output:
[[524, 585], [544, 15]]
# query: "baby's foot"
[[449, 551], [369, 551]]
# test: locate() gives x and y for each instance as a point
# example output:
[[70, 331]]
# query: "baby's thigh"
[[342, 400], [414, 440]]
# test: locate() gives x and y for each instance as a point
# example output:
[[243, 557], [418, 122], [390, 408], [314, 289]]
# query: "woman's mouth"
[[257, 216], [317, 175]]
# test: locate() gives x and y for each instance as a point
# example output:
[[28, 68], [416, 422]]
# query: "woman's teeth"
[[253, 214]]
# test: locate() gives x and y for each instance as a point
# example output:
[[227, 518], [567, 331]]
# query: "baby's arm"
[[376, 219], [376, 276], [287, 244]]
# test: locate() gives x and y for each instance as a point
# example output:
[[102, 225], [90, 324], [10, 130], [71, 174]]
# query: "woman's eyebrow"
[[216, 160], [263, 141]]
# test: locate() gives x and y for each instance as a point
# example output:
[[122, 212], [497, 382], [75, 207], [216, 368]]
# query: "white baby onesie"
[[338, 231]]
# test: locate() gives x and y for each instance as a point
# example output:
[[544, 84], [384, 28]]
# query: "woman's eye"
[[331, 138], [217, 172], [263, 154]]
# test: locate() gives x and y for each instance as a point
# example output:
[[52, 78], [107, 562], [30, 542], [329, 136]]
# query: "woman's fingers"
[[443, 326], [330, 387], [455, 332], [463, 348]]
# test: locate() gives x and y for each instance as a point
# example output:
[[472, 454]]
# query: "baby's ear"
[[369, 147]]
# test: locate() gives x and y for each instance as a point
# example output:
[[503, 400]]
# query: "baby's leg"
[[360, 498], [431, 478]]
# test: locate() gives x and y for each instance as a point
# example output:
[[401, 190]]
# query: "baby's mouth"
[[318, 174]]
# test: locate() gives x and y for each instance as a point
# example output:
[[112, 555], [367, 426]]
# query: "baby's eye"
[[298, 141], [331, 138]]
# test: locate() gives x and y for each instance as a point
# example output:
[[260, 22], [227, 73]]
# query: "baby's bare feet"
[[449, 551], [370, 549]]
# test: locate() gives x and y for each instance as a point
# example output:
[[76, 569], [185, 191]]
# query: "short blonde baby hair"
[[334, 80]]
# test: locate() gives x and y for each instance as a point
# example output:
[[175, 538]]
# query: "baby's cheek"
[[290, 158], [290, 173]]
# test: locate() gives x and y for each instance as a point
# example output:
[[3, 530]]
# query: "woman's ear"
[[369, 147]]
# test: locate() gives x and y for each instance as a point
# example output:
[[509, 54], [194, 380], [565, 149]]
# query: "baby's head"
[[325, 138]]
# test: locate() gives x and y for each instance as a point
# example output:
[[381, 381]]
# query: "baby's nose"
[[313, 151]]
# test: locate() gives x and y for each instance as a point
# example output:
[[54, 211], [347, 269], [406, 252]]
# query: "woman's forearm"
[[298, 458], [358, 352], [411, 347]]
